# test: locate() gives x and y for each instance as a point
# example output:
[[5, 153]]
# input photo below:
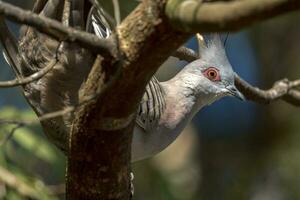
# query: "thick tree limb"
[[195, 16], [57, 30], [111, 118]]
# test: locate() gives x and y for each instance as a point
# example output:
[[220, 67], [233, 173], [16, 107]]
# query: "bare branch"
[[34, 77], [57, 30], [196, 16], [293, 97], [186, 54], [51, 115], [117, 12], [11, 133], [19, 123], [282, 89], [39, 5]]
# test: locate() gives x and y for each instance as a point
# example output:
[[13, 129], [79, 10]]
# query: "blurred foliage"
[[173, 174], [28, 159]]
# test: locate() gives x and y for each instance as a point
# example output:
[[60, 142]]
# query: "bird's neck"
[[183, 101]]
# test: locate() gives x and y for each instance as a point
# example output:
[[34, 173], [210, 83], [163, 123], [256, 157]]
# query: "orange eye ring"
[[212, 74]]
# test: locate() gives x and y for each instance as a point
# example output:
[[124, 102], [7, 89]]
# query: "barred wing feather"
[[151, 106]]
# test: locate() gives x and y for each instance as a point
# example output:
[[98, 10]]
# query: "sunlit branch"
[[197, 16]]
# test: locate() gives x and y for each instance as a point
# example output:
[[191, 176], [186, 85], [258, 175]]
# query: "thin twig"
[[117, 12], [44, 117], [11, 133], [34, 77], [282, 89]]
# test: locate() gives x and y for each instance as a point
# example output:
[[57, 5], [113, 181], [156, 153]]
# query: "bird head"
[[212, 76]]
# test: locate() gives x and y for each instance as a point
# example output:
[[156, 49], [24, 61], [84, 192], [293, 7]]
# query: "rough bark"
[[99, 161]]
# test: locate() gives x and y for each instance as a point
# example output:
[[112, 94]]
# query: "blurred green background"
[[232, 151]]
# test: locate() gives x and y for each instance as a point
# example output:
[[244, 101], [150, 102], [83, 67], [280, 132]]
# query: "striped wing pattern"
[[152, 105], [97, 22]]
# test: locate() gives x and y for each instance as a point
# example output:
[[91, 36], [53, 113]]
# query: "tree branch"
[[186, 54], [34, 77], [117, 12], [196, 16], [55, 29], [103, 129], [38, 6], [282, 89], [11, 133]]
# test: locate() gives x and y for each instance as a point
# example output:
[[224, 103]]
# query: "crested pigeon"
[[166, 107]]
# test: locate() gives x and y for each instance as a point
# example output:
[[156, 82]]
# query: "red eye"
[[212, 74]]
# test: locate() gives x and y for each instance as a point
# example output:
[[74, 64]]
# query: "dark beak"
[[235, 93]]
